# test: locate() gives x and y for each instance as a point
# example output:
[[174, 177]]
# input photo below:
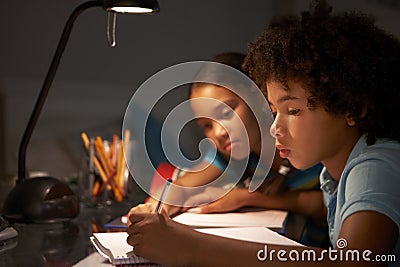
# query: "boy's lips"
[[283, 151]]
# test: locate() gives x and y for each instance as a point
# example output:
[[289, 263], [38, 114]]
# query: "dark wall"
[[94, 82]]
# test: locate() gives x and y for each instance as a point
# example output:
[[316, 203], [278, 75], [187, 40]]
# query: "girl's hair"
[[232, 59], [212, 72], [344, 61]]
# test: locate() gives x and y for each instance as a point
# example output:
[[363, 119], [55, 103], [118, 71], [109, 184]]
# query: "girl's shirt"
[[370, 181], [300, 179]]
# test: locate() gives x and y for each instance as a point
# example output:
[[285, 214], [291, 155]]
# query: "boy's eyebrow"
[[285, 98]]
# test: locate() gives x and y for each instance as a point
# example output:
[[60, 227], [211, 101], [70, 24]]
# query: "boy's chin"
[[300, 165]]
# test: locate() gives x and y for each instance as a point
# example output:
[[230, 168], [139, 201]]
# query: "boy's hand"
[[148, 207], [159, 239]]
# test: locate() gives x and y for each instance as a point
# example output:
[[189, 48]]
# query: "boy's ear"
[[350, 118]]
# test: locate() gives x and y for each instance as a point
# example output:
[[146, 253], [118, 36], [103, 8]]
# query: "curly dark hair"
[[344, 61]]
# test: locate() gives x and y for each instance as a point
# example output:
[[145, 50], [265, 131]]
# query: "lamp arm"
[[46, 85]]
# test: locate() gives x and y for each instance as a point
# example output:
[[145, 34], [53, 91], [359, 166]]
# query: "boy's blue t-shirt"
[[369, 182]]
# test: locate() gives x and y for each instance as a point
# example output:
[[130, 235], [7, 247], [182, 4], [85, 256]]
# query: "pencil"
[[121, 178], [99, 168], [85, 140], [91, 167], [119, 164], [114, 150], [163, 196], [96, 188], [105, 161], [124, 173]]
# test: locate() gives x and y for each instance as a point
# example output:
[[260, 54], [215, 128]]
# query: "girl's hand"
[[234, 200], [210, 194]]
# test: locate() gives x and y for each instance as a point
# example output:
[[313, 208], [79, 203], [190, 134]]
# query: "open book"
[[113, 245]]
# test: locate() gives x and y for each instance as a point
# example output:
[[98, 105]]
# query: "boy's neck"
[[337, 163]]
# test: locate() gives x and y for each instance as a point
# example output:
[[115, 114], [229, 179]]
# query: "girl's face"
[[222, 121], [306, 136]]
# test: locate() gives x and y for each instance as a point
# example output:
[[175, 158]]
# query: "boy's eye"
[[273, 110], [293, 111]]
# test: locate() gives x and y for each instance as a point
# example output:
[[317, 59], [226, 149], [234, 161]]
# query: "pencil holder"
[[104, 175]]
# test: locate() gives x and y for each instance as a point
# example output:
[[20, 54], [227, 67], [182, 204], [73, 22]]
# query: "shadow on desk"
[[94, 259]]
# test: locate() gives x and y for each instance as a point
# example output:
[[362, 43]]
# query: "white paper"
[[265, 218], [252, 234]]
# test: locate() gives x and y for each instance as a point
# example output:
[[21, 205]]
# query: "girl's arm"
[[206, 173], [306, 202]]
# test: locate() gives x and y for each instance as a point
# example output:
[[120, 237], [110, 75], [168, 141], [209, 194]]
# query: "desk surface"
[[65, 244], [60, 244]]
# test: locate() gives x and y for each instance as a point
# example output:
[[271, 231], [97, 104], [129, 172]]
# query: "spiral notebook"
[[114, 247]]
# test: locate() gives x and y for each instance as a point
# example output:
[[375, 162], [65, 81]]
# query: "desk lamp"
[[47, 199]]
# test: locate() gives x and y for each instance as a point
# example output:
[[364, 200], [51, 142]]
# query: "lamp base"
[[41, 200], [8, 239]]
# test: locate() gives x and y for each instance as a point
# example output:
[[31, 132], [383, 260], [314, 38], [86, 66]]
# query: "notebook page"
[[266, 218], [252, 234], [113, 245]]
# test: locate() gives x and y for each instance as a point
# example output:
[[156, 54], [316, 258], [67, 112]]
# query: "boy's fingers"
[[134, 222], [136, 217]]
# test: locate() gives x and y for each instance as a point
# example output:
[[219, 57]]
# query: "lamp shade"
[[131, 6]]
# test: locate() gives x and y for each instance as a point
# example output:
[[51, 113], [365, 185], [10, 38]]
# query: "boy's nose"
[[272, 130]]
